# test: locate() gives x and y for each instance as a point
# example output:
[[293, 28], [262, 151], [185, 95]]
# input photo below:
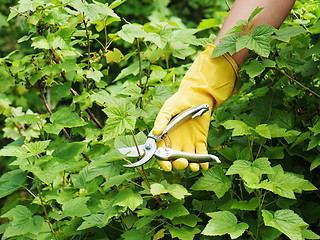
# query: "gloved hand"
[[209, 80]]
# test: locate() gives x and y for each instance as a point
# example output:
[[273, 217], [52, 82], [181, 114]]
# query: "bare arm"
[[274, 13]]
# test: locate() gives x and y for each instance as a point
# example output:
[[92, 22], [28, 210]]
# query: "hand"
[[209, 80]]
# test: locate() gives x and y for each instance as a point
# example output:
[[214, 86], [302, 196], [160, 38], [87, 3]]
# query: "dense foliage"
[[78, 79]]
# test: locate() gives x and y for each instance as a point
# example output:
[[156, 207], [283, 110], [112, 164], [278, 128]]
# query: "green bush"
[[80, 79]]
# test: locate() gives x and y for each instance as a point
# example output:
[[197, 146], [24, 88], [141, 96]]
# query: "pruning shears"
[[149, 148]]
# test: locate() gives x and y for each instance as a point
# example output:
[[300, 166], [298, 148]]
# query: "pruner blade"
[[149, 149]]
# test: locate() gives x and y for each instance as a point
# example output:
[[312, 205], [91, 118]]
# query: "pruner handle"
[[181, 118], [167, 154]]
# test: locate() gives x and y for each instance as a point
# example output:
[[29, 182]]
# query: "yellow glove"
[[209, 80]]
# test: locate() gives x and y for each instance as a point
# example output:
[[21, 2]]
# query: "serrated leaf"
[[239, 127], [37, 147], [95, 75], [184, 233], [250, 172], [131, 31], [176, 190], [69, 151], [213, 180], [76, 207], [94, 220], [258, 42], [286, 183], [122, 115], [227, 44], [127, 198], [286, 221], [263, 130], [190, 220], [66, 118], [114, 56], [22, 222], [160, 39], [183, 52], [209, 23], [285, 34], [247, 206], [224, 222], [135, 234], [175, 210], [11, 181], [315, 163]]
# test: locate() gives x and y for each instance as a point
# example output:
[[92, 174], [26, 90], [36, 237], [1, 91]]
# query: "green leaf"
[[176, 190], [227, 44], [314, 142], [239, 127], [190, 220], [209, 23], [213, 180], [37, 147], [255, 68], [153, 55], [64, 117], [285, 34], [122, 115], [315, 163], [114, 56], [286, 221], [286, 183], [183, 52], [254, 13], [95, 75], [135, 234], [76, 207], [258, 42], [263, 130], [69, 151], [94, 220], [22, 222], [131, 31], [60, 39], [127, 198], [184, 233], [224, 222], [252, 205], [11, 181], [251, 172], [175, 210], [160, 39]]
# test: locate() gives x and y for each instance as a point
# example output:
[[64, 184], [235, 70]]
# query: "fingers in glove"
[[165, 165], [180, 163], [201, 148], [161, 123]]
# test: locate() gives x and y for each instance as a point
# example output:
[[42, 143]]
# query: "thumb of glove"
[[162, 120]]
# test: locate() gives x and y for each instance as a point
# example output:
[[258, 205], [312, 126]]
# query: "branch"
[[74, 93], [63, 129], [20, 14], [301, 85]]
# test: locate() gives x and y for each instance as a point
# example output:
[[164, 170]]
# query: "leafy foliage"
[[78, 81]]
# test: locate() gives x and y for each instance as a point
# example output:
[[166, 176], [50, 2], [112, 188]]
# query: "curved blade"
[[149, 148], [132, 151]]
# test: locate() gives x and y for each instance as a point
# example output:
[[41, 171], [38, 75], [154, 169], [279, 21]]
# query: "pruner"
[[149, 148]]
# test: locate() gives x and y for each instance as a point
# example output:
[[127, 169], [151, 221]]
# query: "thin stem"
[[259, 212], [44, 208], [17, 126], [301, 85], [146, 178], [21, 14], [136, 143], [250, 148], [29, 191], [88, 39], [63, 129], [259, 148]]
